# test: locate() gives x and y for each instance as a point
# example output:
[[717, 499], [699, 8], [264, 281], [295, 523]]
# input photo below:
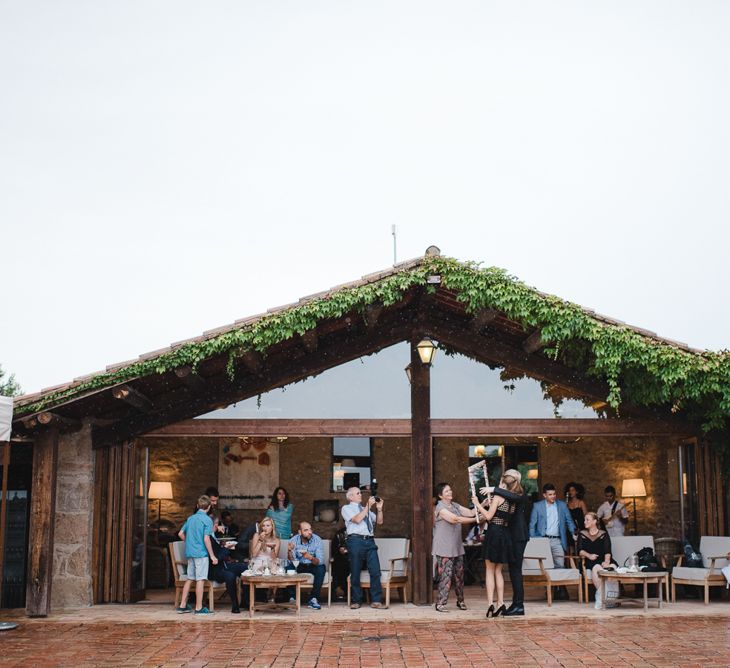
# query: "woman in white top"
[[264, 546]]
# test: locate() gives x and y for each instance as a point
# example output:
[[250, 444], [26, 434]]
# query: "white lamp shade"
[[160, 490], [633, 487]]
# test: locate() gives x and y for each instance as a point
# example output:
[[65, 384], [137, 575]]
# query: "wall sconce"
[[532, 474], [633, 487]]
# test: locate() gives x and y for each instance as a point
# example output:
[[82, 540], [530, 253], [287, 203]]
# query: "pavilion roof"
[[483, 312]]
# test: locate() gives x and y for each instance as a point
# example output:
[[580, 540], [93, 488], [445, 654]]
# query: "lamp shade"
[[426, 350], [532, 474], [633, 487], [160, 490]]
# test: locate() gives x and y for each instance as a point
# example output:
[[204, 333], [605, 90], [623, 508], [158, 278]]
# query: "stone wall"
[[595, 463], [72, 549], [191, 465]]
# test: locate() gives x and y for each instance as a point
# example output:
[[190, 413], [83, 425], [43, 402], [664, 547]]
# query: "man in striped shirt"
[[307, 547]]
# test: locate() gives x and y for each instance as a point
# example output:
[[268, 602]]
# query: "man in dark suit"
[[519, 534]]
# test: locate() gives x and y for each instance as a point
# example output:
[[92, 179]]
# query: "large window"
[[351, 463]]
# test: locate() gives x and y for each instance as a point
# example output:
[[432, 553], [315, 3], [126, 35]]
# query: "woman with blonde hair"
[[498, 544], [265, 545], [594, 545]]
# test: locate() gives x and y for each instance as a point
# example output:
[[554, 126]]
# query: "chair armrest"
[[392, 564], [572, 558], [680, 559], [540, 561]]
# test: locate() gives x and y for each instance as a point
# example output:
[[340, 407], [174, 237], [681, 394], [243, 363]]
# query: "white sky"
[[168, 167]]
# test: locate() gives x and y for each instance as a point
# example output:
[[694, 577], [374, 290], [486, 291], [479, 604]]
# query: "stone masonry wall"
[[191, 464], [72, 586], [595, 463]]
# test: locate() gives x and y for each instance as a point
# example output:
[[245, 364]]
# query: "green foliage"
[[636, 369], [9, 387]]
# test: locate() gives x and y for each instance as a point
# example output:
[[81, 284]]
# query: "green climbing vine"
[[636, 368]]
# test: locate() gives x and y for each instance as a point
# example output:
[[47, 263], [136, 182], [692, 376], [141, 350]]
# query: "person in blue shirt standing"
[[360, 523], [307, 548], [551, 519], [197, 532], [280, 510]]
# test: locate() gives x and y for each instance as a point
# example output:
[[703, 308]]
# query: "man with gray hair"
[[359, 523]]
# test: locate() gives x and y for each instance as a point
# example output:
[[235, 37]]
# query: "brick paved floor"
[[701, 641]]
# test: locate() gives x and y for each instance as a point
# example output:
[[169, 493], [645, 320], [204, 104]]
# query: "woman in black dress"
[[594, 545], [574, 493], [497, 548]]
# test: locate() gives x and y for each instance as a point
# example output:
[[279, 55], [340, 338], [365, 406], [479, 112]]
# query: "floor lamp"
[[633, 487], [159, 491]]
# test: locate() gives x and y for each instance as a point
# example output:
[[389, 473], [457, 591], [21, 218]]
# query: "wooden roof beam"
[[253, 361], [483, 318], [533, 343], [372, 313], [193, 380], [309, 340], [133, 397]]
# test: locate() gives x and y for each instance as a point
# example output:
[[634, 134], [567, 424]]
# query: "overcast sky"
[[168, 167]]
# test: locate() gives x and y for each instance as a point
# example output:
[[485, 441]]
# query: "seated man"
[[227, 570], [227, 525], [307, 548]]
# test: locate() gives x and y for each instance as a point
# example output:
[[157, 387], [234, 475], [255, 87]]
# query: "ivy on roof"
[[637, 368]]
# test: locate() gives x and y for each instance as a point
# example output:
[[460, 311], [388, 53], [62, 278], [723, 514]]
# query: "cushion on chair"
[[537, 547], [714, 546], [563, 574], [384, 576], [699, 574]]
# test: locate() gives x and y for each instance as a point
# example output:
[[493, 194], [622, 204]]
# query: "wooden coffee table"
[[255, 582], [659, 578]]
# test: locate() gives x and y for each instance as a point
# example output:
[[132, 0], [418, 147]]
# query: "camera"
[[374, 490]]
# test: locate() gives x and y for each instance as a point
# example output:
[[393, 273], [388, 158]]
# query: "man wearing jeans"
[[551, 519], [359, 524], [307, 548]]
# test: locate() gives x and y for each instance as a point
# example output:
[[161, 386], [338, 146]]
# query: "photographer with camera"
[[359, 524]]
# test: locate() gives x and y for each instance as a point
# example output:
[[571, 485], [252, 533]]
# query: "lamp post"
[[633, 487]]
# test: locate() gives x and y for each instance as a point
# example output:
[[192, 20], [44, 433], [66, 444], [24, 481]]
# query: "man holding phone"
[[360, 524]]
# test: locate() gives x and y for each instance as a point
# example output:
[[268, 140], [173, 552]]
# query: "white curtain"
[[6, 417]]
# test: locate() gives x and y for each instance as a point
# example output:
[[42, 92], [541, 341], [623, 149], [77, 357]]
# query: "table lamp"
[[633, 487]]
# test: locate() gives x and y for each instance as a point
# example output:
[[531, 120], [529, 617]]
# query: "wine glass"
[[295, 559]]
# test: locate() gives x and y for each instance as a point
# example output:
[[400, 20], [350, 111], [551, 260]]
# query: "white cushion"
[[714, 546], [562, 574], [622, 547], [384, 576], [686, 573], [537, 547]]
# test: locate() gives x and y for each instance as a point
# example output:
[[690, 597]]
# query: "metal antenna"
[[395, 257]]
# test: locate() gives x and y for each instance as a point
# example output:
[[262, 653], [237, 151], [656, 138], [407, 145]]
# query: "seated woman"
[[594, 545], [265, 546]]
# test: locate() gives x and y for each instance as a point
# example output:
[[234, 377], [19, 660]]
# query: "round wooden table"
[[255, 582], [642, 577]]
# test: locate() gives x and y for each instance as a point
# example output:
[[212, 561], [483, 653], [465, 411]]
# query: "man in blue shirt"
[[551, 519], [197, 532], [307, 547]]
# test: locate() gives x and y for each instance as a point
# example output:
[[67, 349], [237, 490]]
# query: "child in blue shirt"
[[196, 533]]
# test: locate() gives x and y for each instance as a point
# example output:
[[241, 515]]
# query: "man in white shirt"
[[359, 523], [613, 513]]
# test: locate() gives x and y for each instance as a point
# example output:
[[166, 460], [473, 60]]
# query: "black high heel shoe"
[[490, 612], [500, 610]]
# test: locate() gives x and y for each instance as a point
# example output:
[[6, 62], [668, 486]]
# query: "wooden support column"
[[421, 478], [42, 521]]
